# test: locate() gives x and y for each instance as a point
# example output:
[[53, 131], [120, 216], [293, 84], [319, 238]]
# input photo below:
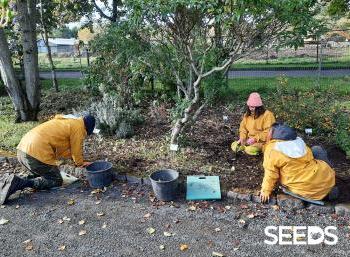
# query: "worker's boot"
[[9, 184]]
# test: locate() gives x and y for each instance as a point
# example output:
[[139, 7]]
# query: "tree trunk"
[[45, 38], [27, 19], [12, 84]]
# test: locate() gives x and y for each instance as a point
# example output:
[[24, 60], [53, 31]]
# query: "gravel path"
[[122, 229]]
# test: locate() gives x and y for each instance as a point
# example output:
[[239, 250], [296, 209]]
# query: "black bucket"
[[165, 184], [99, 174]]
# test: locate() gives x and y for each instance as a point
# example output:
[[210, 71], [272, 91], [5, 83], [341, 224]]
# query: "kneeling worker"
[[290, 162], [40, 149]]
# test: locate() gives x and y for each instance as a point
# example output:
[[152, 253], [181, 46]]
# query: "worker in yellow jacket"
[[303, 171], [40, 149], [254, 127]]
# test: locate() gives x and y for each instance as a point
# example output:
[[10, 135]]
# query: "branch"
[[101, 12], [192, 61]]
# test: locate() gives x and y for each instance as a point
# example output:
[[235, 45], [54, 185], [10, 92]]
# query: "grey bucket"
[[165, 184], [99, 174]]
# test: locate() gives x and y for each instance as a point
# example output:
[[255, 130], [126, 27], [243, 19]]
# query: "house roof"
[[63, 41]]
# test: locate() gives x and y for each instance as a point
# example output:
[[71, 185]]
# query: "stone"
[[256, 199], [322, 209], [342, 209], [239, 196], [287, 202], [3, 159]]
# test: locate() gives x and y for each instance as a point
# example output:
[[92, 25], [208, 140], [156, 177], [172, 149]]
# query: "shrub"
[[113, 119], [342, 131]]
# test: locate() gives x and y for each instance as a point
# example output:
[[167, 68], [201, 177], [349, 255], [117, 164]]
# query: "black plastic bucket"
[[165, 184], [99, 174]]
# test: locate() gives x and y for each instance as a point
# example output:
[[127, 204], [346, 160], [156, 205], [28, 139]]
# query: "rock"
[[287, 202], [256, 199], [239, 196], [321, 209], [3, 159], [342, 209]]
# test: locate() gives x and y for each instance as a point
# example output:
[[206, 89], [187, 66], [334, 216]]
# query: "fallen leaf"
[[62, 248], [3, 221], [82, 232], [104, 225], [217, 229], [167, 226], [29, 247], [241, 221], [192, 208], [235, 249], [27, 241], [251, 216], [161, 247], [167, 234], [176, 221], [217, 254], [275, 207], [147, 215], [183, 247], [244, 206], [65, 218], [151, 231], [81, 222], [99, 214], [71, 202]]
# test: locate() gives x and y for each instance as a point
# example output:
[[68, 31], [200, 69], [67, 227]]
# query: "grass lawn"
[[293, 62]]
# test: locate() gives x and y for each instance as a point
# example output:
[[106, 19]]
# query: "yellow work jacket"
[[294, 166], [256, 128], [59, 137]]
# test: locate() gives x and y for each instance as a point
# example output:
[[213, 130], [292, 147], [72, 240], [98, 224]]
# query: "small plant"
[[112, 119]]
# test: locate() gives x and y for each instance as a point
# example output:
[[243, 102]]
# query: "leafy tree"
[[186, 35]]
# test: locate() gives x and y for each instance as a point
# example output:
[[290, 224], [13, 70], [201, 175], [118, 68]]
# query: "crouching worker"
[[40, 149], [288, 161], [254, 127]]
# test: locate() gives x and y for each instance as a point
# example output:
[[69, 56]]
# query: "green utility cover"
[[203, 188]]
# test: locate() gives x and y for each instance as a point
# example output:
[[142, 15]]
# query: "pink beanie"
[[254, 100]]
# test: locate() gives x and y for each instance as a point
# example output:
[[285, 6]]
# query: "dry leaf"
[[147, 215], [3, 221], [183, 247], [65, 218], [29, 247], [151, 231], [275, 207], [27, 241], [241, 221], [82, 232], [251, 216], [62, 248], [217, 229], [161, 247], [99, 214], [104, 225], [167, 234], [192, 208], [81, 222], [71, 202], [217, 254]]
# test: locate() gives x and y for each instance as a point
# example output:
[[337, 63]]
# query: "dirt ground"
[[205, 148]]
